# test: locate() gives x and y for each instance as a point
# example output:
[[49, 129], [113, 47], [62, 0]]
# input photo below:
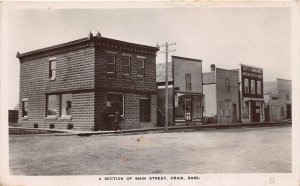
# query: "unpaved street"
[[244, 150]]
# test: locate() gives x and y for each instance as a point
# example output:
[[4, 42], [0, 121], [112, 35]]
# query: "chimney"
[[213, 67]]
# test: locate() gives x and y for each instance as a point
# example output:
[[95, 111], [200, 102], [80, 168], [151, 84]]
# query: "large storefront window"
[[187, 107], [117, 102], [252, 86], [66, 104], [51, 105]]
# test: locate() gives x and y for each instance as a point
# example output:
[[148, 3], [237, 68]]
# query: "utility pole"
[[166, 51]]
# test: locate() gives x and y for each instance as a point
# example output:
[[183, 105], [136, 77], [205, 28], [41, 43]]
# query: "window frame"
[[246, 85], [47, 106], [188, 85], [60, 105], [143, 68], [128, 65], [23, 110], [258, 84], [51, 70], [252, 84], [227, 85], [123, 100], [111, 63]]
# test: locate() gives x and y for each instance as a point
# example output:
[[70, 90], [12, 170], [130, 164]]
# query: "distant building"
[[252, 94], [68, 85], [278, 98], [185, 90], [221, 93]]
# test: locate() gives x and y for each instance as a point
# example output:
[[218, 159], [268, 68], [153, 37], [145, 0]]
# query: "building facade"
[[185, 91], [278, 98], [221, 93], [252, 95], [68, 85]]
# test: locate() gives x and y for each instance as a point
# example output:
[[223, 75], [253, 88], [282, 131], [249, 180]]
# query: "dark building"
[[185, 90], [68, 85], [221, 92], [252, 94]]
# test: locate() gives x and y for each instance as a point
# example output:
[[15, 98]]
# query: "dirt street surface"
[[255, 150]]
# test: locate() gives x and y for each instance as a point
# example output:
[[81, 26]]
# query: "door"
[[255, 112], [234, 115], [267, 113], [188, 110], [289, 111]]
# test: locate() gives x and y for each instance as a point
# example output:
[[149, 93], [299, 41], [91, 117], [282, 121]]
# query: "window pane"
[[66, 104], [51, 103], [140, 71], [140, 63], [53, 65], [116, 101], [252, 86], [111, 61], [246, 86], [126, 70], [258, 87], [24, 108], [188, 81]]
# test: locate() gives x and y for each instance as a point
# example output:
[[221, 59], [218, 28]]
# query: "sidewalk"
[[60, 132]]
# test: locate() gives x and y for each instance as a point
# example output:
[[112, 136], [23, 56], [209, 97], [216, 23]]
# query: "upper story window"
[[52, 69], [51, 105], [246, 85], [258, 87], [252, 86], [111, 64], [24, 107], [188, 82], [66, 104], [227, 85], [126, 63], [287, 95], [141, 67]]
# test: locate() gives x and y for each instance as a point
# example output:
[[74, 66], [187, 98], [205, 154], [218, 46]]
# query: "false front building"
[[68, 85], [252, 95], [185, 90], [221, 92]]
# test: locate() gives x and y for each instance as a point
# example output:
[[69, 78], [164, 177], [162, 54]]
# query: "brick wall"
[[74, 71]]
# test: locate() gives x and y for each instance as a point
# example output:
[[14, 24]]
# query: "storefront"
[[188, 106], [252, 110]]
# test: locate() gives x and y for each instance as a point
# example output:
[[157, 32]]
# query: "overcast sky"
[[222, 36]]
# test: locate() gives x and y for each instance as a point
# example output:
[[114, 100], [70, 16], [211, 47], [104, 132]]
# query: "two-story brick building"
[[68, 85], [185, 90], [221, 92]]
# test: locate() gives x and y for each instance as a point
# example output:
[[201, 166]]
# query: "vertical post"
[[167, 96]]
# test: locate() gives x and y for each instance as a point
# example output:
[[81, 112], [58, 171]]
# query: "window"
[[252, 86], [221, 109], [66, 105], [51, 105], [117, 102], [287, 95], [52, 69], [246, 85], [145, 109], [227, 109], [24, 107], [126, 62], [141, 67], [111, 63], [227, 84], [188, 82], [258, 86]]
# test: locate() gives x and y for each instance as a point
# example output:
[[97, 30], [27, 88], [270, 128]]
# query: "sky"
[[225, 37]]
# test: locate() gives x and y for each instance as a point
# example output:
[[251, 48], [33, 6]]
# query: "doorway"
[[289, 111], [255, 112], [188, 110]]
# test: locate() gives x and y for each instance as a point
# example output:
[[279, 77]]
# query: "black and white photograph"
[[166, 93]]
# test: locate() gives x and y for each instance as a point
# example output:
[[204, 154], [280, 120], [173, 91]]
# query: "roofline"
[[283, 79], [78, 41], [185, 58], [251, 66], [227, 69]]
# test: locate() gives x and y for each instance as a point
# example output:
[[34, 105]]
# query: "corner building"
[[67, 86]]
